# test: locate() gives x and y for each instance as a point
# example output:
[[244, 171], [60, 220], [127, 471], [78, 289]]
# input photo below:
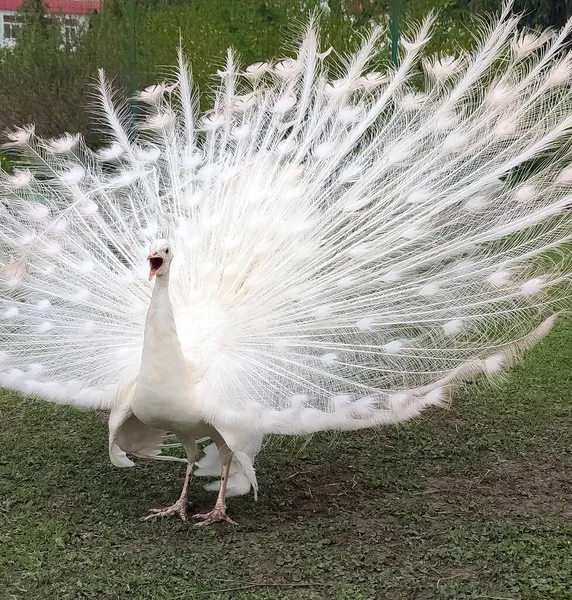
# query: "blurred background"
[[50, 50]]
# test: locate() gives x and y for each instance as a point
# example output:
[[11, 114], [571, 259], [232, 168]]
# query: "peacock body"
[[345, 250]]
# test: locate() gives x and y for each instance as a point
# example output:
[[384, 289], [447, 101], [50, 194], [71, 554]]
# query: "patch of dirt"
[[509, 488]]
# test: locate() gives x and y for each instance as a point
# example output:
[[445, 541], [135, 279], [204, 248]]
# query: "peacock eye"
[[166, 250]]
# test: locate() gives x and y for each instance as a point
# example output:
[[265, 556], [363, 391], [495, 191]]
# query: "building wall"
[[78, 10]]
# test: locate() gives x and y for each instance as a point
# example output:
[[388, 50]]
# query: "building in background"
[[74, 11]]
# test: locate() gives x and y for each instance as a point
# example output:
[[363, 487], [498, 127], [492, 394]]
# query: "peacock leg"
[[180, 507], [218, 513]]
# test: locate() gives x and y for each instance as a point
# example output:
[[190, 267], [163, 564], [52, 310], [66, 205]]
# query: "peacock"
[[333, 245]]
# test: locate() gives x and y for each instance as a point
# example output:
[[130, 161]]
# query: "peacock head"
[[160, 256]]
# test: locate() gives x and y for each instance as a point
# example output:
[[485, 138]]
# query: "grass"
[[474, 502]]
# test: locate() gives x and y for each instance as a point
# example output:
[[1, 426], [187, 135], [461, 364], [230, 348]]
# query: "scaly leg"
[[218, 513], [180, 507]]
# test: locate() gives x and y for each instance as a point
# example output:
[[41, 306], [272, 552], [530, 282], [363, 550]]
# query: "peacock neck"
[[164, 387], [161, 338], [160, 311]]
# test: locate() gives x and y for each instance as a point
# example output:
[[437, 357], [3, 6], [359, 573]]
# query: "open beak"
[[155, 263]]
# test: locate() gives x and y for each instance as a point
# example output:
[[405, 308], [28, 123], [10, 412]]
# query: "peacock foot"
[[216, 515], [179, 508]]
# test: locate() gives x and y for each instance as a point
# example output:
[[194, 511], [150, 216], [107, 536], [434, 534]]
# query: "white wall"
[[7, 43]]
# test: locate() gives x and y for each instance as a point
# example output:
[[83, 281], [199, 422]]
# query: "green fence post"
[[132, 81], [395, 11]]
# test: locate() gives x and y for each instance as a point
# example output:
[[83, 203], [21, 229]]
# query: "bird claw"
[[179, 508], [217, 515]]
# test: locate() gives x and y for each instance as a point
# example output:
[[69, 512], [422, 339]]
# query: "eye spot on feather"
[[230, 243], [125, 179], [209, 222], [337, 88], [346, 282], [73, 175], [565, 176], [413, 101], [81, 295], [37, 212], [297, 400], [150, 231], [321, 312], [325, 150], [365, 324], [20, 179], [435, 397], [498, 278], [363, 407], [122, 354], [256, 70], [397, 402], [231, 270], [374, 79], [359, 250], [59, 225], [532, 286], [25, 239], [453, 327], [393, 347], [52, 248], [286, 147], [285, 103], [340, 403], [431, 289], [329, 359], [240, 133], [351, 173], [42, 305], [206, 269], [399, 153], [45, 327], [392, 276], [417, 196], [46, 269], [476, 204], [191, 159], [350, 114], [441, 68], [9, 313], [88, 327], [148, 154], [87, 266], [411, 233], [506, 127], [87, 208], [284, 344], [525, 193], [34, 369], [159, 121], [494, 363], [287, 68], [61, 144], [111, 153]]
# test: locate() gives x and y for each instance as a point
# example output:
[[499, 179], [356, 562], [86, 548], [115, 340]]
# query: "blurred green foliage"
[[48, 76]]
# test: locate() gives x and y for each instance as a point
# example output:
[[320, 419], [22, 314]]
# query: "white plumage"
[[346, 249]]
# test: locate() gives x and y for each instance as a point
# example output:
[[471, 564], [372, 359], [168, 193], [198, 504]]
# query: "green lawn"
[[474, 502]]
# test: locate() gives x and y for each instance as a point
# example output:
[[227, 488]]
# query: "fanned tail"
[[347, 248]]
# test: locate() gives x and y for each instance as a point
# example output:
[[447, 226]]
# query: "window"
[[11, 26], [71, 31]]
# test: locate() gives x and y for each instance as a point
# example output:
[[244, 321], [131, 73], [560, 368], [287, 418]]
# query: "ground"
[[471, 502]]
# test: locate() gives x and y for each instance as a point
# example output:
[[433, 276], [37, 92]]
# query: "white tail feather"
[[346, 249]]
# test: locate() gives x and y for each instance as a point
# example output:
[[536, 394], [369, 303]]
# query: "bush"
[[49, 80]]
